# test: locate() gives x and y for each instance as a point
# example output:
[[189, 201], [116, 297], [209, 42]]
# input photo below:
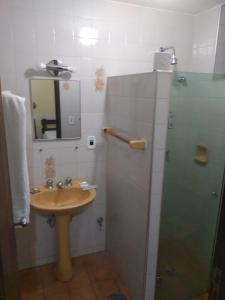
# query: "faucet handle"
[[60, 185], [49, 183], [35, 190], [68, 181]]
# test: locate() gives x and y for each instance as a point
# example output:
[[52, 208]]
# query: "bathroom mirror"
[[56, 109]]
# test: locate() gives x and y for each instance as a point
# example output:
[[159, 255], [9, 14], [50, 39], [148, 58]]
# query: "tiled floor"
[[203, 297], [94, 278]]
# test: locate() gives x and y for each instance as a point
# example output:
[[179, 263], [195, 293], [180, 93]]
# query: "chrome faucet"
[[68, 182], [49, 184], [35, 190], [60, 185]]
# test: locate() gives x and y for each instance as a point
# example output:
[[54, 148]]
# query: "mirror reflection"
[[56, 109]]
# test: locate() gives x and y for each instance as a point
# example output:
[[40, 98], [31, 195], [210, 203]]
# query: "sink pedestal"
[[62, 203], [64, 264]]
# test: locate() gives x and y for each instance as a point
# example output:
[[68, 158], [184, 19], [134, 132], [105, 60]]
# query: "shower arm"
[[163, 49]]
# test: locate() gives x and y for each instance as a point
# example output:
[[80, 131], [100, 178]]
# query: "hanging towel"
[[15, 128]]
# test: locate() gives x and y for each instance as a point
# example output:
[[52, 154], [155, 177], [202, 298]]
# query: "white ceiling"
[[186, 6]]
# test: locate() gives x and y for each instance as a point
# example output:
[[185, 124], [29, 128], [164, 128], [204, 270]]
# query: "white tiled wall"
[[37, 31], [130, 108], [204, 40], [220, 49]]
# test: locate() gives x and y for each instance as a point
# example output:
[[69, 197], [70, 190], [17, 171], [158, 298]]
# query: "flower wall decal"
[[50, 167], [100, 79]]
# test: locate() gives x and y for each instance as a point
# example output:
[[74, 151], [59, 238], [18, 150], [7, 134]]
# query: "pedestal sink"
[[62, 203]]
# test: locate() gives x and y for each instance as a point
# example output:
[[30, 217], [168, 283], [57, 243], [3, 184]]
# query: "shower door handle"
[[214, 194], [171, 120], [167, 155], [158, 280]]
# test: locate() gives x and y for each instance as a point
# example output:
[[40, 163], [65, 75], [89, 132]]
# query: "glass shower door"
[[193, 179]]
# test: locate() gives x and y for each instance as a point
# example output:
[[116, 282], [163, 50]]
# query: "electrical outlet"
[[91, 142]]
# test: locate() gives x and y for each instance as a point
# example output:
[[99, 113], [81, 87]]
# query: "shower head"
[[173, 60]]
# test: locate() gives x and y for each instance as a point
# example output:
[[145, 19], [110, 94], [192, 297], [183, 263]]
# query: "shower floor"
[[183, 276], [95, 278], [203, 297]]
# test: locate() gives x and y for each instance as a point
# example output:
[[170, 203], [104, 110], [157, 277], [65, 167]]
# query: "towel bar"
[[139, 144]]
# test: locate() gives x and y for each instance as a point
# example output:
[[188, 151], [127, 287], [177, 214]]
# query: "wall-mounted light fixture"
[[55, 67]]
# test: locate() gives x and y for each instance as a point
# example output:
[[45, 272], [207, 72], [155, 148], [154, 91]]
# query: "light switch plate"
[[71, 120]]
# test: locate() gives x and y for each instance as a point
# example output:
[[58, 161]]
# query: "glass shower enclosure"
[[193, 177]]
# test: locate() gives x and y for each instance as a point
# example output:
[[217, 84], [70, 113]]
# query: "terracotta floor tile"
[[101, 272], [79, 280], [77, 262], [99, 266], [85, 293], [202, 297], [123, 289], [56, 295], [32, 275], [49, 280], [80, 276], [48, 274], [30, 282], [105, 288], [38, 295], [99, 258], [94, 278]]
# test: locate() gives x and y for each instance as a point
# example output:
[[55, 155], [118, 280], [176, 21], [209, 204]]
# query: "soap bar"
[[201, 154]]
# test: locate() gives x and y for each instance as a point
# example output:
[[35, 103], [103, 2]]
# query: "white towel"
[[15, 127]]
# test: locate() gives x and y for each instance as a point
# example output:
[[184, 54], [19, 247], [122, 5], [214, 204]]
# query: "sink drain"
[[116, 297]]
